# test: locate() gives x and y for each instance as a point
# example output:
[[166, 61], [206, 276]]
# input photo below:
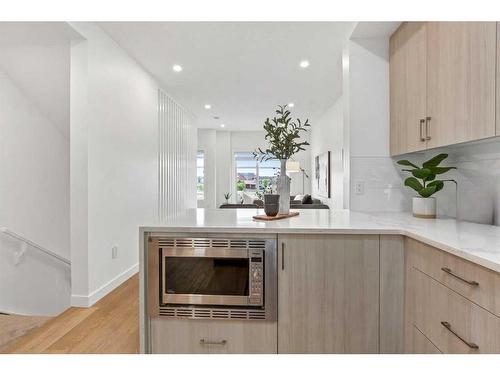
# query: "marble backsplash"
[[476, 198]]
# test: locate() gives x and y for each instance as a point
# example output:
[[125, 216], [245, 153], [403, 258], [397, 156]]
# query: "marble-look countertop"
[[478, 243]]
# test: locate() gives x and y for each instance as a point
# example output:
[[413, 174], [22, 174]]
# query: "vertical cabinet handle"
[[282, 255], [469, 344], [422, 122], [428, 128]]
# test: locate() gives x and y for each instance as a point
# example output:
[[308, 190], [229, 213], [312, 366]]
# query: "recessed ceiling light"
[[208, 106], [177, 68], [222, 125], [291, 105], [304, 64]]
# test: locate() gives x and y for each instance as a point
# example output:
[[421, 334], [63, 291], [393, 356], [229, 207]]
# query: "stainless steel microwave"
[[238, 273]]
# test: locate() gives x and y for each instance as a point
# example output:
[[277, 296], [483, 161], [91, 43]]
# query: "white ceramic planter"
[[424, 207], [284, 190]]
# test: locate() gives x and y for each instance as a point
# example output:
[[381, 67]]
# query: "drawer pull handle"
[[469, 344], [208, 342], [450, 272]]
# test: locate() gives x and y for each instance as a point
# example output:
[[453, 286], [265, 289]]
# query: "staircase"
[[34, 281]]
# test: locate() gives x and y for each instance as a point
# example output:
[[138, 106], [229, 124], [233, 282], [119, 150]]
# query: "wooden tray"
[[277, 217]]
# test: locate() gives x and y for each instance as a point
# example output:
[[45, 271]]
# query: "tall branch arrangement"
[[283, 135], [423, 179]]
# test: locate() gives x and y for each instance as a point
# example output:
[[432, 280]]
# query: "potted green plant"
[[424, 182], [283, 135]]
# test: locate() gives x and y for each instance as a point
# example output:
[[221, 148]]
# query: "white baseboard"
[[96, 295]]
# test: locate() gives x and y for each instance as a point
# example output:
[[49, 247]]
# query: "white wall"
[[328, 135], [371, 167], [34, 182], [34, 165], [220, 146], [114, 166]]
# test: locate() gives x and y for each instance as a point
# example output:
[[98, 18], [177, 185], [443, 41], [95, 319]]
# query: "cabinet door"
[[461, 63], [408, 88], [328, 294], [498, 83]]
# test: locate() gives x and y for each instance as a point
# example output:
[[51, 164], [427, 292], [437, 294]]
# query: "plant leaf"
[[427, 191], [435, 161], [438, 184], [422, 173], [407, 163], [440, 170], [414, 184]]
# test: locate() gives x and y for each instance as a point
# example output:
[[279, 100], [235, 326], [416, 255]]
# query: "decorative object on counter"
[[424, 182], [322, 174], [227, 196], [277, 217], [283, 135], [271, 204]]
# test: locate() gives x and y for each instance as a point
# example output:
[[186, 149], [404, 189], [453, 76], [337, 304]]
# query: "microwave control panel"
[[256, 278]]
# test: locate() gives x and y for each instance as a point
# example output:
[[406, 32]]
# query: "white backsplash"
[[478, 176], [383, 188]]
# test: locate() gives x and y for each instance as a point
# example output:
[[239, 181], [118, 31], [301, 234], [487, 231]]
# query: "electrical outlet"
[[359, 187], [114, 252]]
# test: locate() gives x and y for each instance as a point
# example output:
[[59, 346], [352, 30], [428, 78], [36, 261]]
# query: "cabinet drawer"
[[211, 336], [457, 274], [437, 307], [421, 344]]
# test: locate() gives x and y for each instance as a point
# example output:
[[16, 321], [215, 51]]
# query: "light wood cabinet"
[[328, 294], [408, 88], [421, 344], [442, 82], [478, 284], [178, 336], [461, 64], [453, 324], [453, 308], [498, 84]]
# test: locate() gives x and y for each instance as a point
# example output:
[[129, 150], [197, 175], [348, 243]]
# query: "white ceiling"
[[243, 69]]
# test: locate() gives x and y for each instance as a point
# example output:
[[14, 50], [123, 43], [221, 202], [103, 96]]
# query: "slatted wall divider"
[[176, 157]]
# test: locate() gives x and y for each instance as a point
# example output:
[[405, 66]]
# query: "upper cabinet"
[[442, 84]]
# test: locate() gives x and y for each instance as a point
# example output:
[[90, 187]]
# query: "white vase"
[[424, 207], [284, 189]]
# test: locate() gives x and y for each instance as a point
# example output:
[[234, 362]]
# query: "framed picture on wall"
[[322, 174]]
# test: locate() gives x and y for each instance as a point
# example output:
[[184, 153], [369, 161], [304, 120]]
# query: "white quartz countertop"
[[478, 243]]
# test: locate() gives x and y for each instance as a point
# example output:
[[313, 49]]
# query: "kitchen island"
[[340, 282]]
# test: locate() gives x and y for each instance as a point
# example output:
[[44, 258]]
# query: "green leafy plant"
[[240, 185], [283, 135], [423, 179]]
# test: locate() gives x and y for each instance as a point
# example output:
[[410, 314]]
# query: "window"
[[252, 176], [200, 175]]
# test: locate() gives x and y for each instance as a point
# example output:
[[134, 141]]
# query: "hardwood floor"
[[110, 326]]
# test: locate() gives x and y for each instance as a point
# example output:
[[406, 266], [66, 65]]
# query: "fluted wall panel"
[[176, 157]]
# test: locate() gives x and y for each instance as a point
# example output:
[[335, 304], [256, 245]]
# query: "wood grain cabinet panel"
[[474, 282], [421, 344], [178, 336], [497, 84], [461, 64], [408, 88], [328, 294], [471, 329]]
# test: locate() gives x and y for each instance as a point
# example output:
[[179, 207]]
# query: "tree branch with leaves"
[[283, 135]]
